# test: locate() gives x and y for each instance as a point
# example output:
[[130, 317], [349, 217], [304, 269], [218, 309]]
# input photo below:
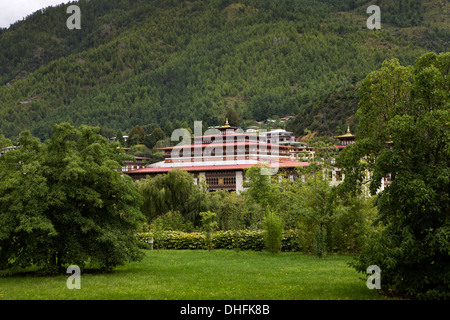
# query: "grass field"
[[199, 274]]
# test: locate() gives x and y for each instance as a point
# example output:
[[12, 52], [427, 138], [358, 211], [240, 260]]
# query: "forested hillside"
[[137, 62], [329, 115]]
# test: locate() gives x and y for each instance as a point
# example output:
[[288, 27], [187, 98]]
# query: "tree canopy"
[[64, 202], [137, 62], [174, 191], [403, 133]]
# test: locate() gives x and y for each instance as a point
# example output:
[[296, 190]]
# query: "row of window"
[[225, 153], [130, 168], [220, 173], [226, 181]]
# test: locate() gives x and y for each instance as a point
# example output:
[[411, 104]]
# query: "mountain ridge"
[[136, 62]]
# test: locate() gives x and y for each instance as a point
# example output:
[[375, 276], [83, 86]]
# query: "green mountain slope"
[[328, 115], [137, 62]]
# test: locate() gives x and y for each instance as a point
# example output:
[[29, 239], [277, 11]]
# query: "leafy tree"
[[273, 230], [403, 131], [316, 191], [4, 142], [174, 191], [208, 226], [119, 138], [233, 118], [351, 223], [171, 221], [136, 136], [64, 202], [158, 135], [233, 211], [261, 190]]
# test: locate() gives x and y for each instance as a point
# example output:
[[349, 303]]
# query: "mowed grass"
[[199, 274]]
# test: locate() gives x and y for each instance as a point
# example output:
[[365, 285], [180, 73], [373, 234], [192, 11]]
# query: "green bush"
[[174, 239], [171, 221], [208, 226], [320, 242], [273, 232], [241, 239], [351, 225]]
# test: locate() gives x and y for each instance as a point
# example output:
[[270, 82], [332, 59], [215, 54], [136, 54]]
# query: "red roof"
[[281, 164]]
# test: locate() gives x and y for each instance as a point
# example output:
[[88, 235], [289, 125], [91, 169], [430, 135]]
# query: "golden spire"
[[348, 134], [226, 122]]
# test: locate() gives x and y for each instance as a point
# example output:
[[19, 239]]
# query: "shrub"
[[171, 221], [208, 225], [241, 239], [351, 225], [174, 239], [320, 242], [273, 232]]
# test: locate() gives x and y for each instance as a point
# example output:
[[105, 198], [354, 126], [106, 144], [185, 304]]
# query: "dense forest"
[[154, 63], [329, 115]]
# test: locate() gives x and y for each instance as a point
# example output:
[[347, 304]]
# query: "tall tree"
[[119, 138], [174, 191], [403, 131], [136, 136], [319, 196], [4, 142], [233, 118], [64, 202]]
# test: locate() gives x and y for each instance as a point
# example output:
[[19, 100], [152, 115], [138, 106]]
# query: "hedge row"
[[242, 240]]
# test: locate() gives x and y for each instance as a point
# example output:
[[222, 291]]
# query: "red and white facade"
[[221, 158]]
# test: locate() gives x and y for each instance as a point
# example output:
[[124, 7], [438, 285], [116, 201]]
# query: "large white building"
[[221, 158]]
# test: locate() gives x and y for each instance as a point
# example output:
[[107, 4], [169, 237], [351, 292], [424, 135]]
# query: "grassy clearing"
[[198, 274]]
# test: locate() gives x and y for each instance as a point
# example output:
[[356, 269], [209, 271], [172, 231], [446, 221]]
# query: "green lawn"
[[199, 274]]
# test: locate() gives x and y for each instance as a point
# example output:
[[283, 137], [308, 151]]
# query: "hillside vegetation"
[[137, 62]]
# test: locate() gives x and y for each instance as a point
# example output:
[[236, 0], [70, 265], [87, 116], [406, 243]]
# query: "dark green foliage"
[[174, 191], [403, 13], [208, 226], [273, 230], [408, 107], [64, 202], [351, 224], [233, 118], [4, 142], [138, 62], [231, 239], [233, 211], [345, 223], [171, 221], [329, 115]]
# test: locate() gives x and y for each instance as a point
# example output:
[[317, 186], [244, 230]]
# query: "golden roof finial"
[[348, 134], [226, 122]]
